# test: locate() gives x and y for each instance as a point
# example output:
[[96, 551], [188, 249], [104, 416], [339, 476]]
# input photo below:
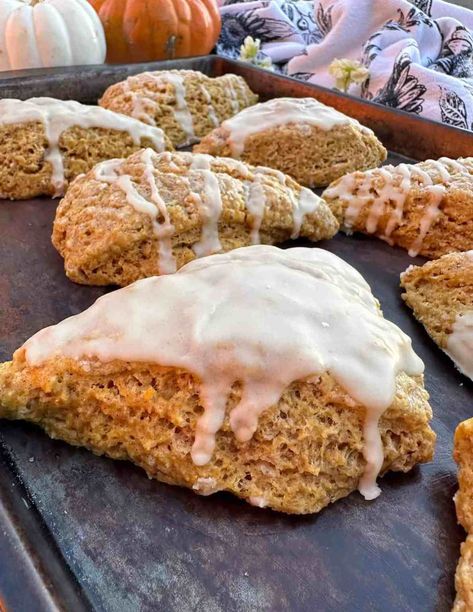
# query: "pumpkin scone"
[[186, 104], [152, 213], [313, 143], [463, 454], [440, 294], [45, 143], [425, 208], [241, 372]]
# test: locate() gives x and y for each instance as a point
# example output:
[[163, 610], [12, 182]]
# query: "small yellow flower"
[[346, 72], [250, 51]]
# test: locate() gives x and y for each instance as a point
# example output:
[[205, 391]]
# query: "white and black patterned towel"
[[419, 52]]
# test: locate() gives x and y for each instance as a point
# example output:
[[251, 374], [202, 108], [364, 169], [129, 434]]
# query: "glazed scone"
[[426, 208], [152, 213], [313, 143], [183, 375], [186, 104], [464, 578], [463, 454], [45, 143], [440, 294]]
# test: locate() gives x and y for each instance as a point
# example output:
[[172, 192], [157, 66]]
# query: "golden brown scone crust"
[[312, 156], [451, 231], [153, 100], [464, 578], [104, 240], [439, 291], [25, 174], [463, 455], [306, 452]]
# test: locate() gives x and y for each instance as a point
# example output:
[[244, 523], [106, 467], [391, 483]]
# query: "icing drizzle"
[[58, 115], [280, 111], [210, 207], [182, 113], [144, 104], [205, 189], [385, 190], [216, 318], [210, 108], [460, 343]]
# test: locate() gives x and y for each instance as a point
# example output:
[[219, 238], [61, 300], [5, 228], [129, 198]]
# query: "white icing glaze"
[[271, 172], [241, 86], [164, 230], [381, 187], [460, 343], [256, 204], [154, 207], [233, 96], [144, 106], [210, 108], [453, 166], [432, 211], [210, 206], [217, 317], [205, 486], [182, 113], [307, 204], [168, 157], [256, 199], [208, 200], [258, 501], [280, 111], [58, 115]]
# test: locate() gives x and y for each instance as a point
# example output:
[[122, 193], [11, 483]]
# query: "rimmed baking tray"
[[79, 532]]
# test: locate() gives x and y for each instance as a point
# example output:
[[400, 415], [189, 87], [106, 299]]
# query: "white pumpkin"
[[44, 33]]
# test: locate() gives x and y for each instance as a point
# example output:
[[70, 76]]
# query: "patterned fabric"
[[419, 52]]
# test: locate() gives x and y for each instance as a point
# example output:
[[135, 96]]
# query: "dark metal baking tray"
[[79, 532]]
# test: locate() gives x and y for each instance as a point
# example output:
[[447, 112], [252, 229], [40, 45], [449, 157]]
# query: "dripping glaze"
[[364, 189], [57, 116], [216, 319], [460, 343], [230, 81], [280, 111], [208, 199], [144, 107]]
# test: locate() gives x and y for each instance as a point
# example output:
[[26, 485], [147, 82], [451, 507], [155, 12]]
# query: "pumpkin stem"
[[171, 47]]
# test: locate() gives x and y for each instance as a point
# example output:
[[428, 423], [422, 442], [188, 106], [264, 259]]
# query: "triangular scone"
[[464, 578], [241, 372], [426, 208], [186, 104], [45, 143], [150, 214], [463, 454], [441, 295], [313, 143]]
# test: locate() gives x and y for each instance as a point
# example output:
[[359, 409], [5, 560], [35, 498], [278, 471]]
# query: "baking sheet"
[[81, 532]]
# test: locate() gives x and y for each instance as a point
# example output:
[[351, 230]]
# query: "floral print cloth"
[[419, 53]]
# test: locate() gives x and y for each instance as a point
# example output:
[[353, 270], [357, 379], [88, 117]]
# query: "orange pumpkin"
[[145, 30]]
